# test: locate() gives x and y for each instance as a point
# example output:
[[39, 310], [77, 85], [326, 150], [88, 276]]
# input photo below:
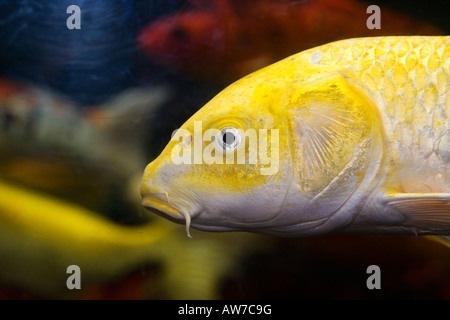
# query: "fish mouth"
[[154, 203]]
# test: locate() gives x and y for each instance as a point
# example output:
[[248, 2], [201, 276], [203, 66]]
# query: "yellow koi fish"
[[351, 136], [42, 236]]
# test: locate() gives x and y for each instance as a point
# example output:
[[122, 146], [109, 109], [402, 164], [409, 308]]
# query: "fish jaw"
[[164, 200], [203, 208], [154, 201]]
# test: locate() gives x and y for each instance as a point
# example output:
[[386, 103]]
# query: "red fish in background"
[[226, 39]]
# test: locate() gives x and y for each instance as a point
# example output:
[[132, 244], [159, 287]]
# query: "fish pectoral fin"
[[425, 211]]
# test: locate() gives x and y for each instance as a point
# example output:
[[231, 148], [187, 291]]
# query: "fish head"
[[223, 167], [276, 152]]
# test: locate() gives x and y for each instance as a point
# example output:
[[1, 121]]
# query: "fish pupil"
[[228, 138]]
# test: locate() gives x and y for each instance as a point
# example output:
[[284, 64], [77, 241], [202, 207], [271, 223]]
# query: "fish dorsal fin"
[[424, 211]]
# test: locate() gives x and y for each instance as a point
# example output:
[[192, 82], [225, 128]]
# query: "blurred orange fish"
[[226, 39]]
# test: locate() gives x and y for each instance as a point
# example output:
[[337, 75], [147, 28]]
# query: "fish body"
[[34, 119], [362, 144], [227, 39], [37, 117], [80, 153]]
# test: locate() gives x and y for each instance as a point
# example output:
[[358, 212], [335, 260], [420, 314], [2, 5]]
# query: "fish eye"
[[228, 139]]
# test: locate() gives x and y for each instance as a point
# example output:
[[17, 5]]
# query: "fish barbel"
[[359, 143]]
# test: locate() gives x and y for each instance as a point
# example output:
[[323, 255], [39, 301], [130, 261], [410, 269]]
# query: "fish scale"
[[408, 78]]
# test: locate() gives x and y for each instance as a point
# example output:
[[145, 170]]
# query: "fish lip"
[[153, 203]]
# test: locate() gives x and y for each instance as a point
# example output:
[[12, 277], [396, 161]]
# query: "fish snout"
[[155, 194], [160, 197], [154, 179]]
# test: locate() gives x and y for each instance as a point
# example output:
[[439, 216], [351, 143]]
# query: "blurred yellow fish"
[[353, 137], [41, 236]]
